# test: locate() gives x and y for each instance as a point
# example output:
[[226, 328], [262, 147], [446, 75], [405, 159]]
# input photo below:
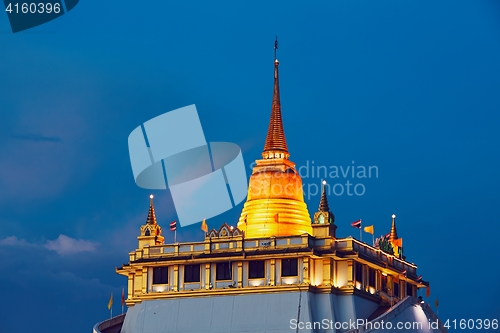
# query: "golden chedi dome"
[[275, 203]]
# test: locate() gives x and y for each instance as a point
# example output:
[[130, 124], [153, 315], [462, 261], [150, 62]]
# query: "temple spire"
[[151, 213], [394, 233], [323, 203], [150, 232], [275, 146]]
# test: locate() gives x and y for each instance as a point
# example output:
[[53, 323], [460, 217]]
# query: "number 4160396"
[[33, 8]]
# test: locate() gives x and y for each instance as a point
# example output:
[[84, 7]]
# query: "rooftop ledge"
[[239, 246]]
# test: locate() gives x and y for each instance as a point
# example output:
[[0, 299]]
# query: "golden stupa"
[[275, 203]]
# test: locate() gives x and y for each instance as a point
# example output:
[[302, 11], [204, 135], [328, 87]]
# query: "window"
[[359, 272], [371, 277], [289, 267], [160, 275], [192, 273], [384, 283], [409, 289], [256, 269], [396, 289], [223, 271]]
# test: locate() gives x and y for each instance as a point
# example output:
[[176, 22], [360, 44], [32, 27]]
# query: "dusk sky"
[[410, 87]]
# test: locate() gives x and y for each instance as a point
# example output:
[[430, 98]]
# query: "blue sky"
[[409, 87]]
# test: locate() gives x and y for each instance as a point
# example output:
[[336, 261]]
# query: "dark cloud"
[[41, 278]]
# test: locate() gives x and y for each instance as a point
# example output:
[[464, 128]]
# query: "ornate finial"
[[151, 213], [394, 233], [275, 48], [323, 203], [275, 146]]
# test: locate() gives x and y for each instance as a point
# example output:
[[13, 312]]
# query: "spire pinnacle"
[[323, 203], [394, 233], [151, 213], [275, 146], [275, 48]]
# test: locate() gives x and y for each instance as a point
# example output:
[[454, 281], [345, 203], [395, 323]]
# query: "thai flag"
[[356, 224], [173, 226]]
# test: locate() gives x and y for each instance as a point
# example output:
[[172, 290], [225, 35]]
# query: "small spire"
[[323, 203], [394, 233], [275, 48], [151, 213], [275, 140]]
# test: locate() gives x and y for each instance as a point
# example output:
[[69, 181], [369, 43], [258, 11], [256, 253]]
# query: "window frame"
[[163, 273], [289, 268], [372, 277], [358, 270], [227, 269], [383, 282], [396, 288], [250, 269], [409, 287], [193, 273]]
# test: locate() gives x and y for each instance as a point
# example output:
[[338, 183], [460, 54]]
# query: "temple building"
[[279, 268]]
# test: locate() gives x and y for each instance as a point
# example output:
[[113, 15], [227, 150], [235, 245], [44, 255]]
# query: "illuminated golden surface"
[[275, 188]]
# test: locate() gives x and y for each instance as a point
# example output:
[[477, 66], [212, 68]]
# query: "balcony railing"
[[351, 244], [239, 244], [236, 244]]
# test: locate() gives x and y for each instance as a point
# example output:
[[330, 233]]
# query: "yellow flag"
[[369, 229], [204, 225], [110, 303]]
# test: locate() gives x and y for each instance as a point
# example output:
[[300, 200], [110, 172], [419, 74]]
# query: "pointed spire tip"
[[275, 146], [323, 203]]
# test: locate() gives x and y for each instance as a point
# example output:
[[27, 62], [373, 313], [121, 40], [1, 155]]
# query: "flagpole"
[[373, 239], [360, 231], [175, 235]]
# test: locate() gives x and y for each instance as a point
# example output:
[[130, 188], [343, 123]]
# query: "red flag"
[[123, 297], [398, 242], [428, 291], [173, 225], [356, 224], [276, 218]]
